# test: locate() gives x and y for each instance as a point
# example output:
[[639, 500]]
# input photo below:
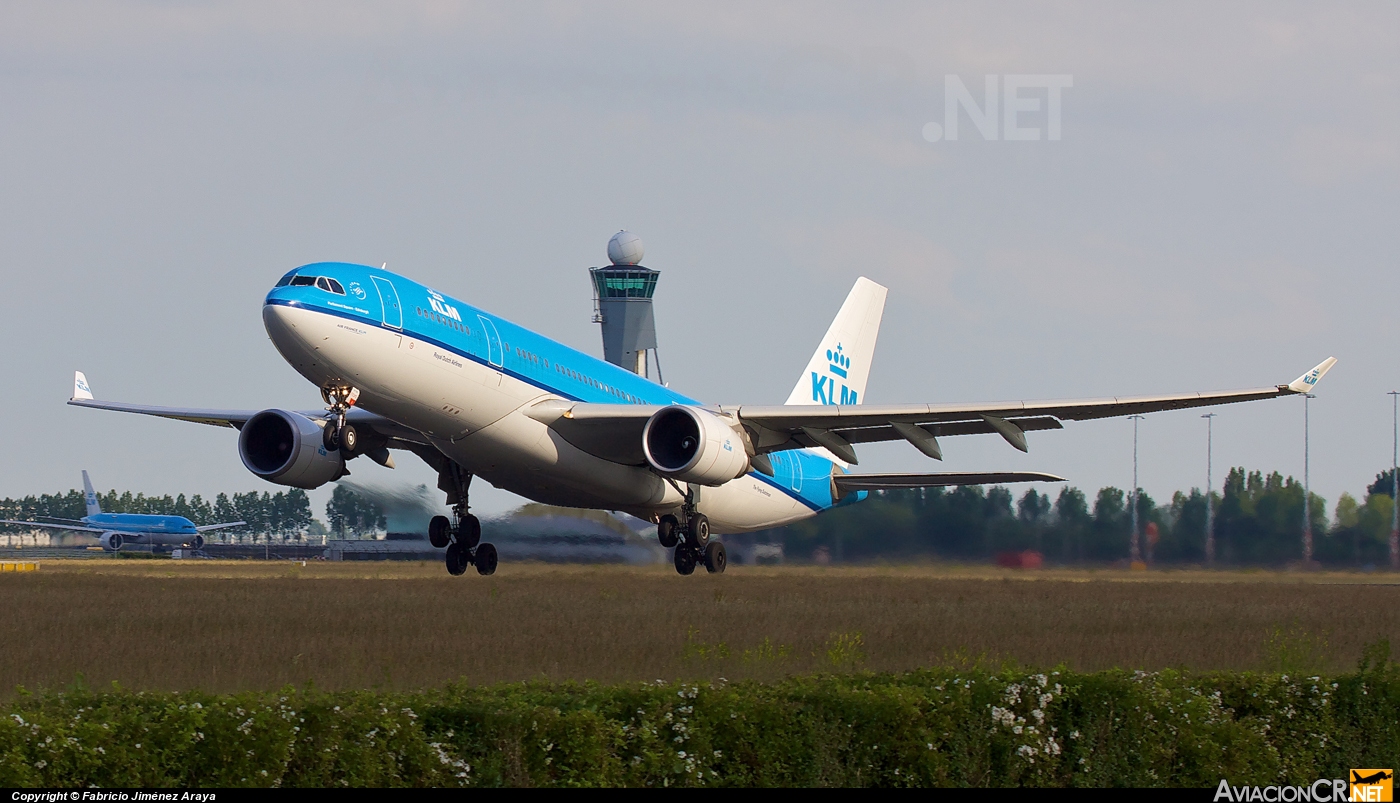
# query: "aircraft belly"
[[523, 456], [748, 504]]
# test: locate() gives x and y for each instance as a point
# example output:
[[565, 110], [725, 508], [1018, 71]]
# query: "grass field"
[[230, 626]]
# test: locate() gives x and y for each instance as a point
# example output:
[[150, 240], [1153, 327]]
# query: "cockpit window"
[[286, 280], [330, 285], [303, 281]]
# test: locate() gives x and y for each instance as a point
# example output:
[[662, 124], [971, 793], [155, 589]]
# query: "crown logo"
[[840, 363]]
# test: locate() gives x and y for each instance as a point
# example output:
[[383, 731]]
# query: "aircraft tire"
[[697, 534], [456, 560], [329, 438], [716, 558], [685, 560], [666, 531], [349, 438], [469, 532], [439, 532], [486, 559]]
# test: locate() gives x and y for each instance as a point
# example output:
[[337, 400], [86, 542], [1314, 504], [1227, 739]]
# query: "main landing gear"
[[461, 534], [689, 534], [340, 397]]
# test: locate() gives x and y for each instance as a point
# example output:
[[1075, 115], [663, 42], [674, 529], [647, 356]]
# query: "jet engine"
[[694, 445], [111, 541], [287, 448]]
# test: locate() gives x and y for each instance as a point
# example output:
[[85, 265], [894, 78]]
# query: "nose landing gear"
[[462, 534]]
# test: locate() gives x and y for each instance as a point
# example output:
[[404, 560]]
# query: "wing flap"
[[845, 483]]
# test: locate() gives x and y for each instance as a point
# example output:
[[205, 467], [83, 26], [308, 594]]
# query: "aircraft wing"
[[614, 431], [393, 431], [47, 526], [217, 418], [208, 527], [837, 427]]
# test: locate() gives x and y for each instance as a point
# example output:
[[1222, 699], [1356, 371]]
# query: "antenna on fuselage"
[[622, 304]]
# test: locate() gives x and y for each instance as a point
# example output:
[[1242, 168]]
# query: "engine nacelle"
[[111, 541], [694, 445], [287, 448]]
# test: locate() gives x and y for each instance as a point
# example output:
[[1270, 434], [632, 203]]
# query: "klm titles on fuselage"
[[441, 307], [824, 387]]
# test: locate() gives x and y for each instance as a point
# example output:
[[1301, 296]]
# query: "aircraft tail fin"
[[89, 495], [837, 372]]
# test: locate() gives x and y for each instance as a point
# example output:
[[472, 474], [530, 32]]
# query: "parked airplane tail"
[[837, 372], [90, 496]]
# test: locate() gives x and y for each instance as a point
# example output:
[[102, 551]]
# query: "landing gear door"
[[389, 298]]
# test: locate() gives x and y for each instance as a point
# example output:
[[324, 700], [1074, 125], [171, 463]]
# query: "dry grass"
[[224, 626]]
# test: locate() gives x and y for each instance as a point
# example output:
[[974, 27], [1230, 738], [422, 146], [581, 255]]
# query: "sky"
[[1217, 211]]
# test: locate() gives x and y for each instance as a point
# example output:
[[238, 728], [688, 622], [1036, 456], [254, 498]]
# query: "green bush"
[[937, 727]]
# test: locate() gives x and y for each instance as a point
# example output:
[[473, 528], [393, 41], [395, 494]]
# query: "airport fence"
[[938, 727]]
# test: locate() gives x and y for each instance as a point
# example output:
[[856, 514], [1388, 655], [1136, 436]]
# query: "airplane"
[[402, 366], [113, 530]]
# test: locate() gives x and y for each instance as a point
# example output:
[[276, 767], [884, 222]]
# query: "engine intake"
[[287, 448], [111, 541], [694, 445]]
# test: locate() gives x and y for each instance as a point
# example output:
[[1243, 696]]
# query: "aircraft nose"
[[277, 319]]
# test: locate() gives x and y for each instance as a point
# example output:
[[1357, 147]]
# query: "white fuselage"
[[473, 413]]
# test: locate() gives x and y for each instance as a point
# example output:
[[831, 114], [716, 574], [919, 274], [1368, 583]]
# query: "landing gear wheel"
[[486, 559], [716, 558], [469, 531], [666, 531], [685, 560], [330, 437], [439, 532], [349, 438], [457, 559], [697, 534]]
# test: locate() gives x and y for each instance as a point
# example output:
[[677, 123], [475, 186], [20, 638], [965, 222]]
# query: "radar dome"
[[625, 248]]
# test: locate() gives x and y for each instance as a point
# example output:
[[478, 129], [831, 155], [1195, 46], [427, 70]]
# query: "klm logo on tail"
[[824, 387]]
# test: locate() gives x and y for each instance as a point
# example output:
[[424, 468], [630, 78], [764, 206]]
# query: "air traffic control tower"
[[622, 304]]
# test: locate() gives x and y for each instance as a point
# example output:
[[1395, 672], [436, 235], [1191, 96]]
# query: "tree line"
[[285, 515], [1258, 520]]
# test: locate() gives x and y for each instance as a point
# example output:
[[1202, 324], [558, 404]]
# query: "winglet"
[[1305, 383], [80, 386]]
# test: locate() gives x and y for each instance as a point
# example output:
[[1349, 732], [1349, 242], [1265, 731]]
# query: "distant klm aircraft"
[[403, 366], [115, 529]]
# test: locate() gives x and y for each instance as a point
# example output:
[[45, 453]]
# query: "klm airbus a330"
[[115, 529], [403, 366]]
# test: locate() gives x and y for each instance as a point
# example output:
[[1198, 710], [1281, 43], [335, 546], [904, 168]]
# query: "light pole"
[[1307, 492], [1134, 549], [1210, 510], [1395, 483]]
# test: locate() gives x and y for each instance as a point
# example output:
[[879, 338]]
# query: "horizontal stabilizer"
[[846, 483]]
